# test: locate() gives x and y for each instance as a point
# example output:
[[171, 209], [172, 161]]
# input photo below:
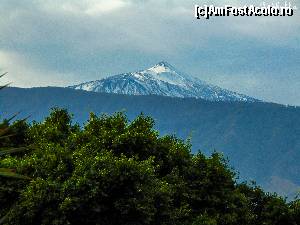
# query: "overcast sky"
[[64, 42]]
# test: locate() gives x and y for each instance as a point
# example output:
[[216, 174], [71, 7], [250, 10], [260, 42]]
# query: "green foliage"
[[11, 136], [295, 210], [112, 171], [12, 141]]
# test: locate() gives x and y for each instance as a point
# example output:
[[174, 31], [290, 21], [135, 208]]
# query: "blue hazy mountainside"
[[261, 140]]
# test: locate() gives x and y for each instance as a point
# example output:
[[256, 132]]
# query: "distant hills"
[[164, 80], [262, 140]]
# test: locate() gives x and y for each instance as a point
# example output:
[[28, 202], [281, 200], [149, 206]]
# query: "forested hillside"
[[113, 172], [261, 140]]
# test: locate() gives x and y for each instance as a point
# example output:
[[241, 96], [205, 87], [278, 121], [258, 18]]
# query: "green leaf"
[[13, 150], [10, 173]]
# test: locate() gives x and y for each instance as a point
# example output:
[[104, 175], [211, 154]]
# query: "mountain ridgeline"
[[261, 140], [164, 80]]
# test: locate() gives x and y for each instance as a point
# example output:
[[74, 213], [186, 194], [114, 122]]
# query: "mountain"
[[261, 140], [161, 79]]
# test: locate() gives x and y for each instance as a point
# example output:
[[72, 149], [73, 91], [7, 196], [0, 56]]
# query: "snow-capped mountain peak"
[[161, 79], [165, 72], [161, 67]]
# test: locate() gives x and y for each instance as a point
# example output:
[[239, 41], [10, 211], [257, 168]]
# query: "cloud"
[[90, 8], [57, 42], [19, 69]]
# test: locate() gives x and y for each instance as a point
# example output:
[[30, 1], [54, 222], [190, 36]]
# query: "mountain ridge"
[[161, 79]]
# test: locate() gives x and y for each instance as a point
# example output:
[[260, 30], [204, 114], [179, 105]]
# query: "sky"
[[66, 42]]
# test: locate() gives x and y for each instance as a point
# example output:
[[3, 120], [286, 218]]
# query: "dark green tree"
[[112, 171]]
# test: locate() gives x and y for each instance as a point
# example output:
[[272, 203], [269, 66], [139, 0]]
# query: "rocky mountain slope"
[[164, 80]]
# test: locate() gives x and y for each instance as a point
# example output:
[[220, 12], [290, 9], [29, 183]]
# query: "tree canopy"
[[112, 171]]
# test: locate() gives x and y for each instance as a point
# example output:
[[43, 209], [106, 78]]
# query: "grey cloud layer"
[[65, 42]]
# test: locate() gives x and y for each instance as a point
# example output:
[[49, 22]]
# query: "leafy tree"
[[295, 210], [112, 171], [10, 136]]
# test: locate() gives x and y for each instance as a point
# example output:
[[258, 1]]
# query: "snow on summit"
[[161, 67], [161, 79]]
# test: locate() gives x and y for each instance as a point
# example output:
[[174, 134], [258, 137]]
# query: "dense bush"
[[113, 172]]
